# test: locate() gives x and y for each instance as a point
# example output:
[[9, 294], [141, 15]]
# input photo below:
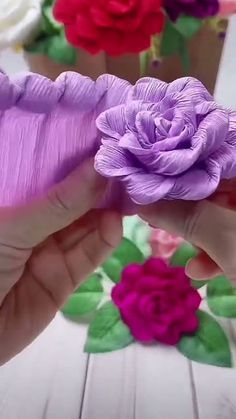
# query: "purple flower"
[[168, 141], [197, 8]]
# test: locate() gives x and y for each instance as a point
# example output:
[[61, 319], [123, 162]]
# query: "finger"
[[202, 267], [66, 202], [208, 226], [72, 234], [95, 247]]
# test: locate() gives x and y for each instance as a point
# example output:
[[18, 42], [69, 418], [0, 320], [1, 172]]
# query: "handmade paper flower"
[[197, 8], [157, 302], [164, 244], [227, 7], [167, 142], [18, 18], [115, 27], [49, 128]]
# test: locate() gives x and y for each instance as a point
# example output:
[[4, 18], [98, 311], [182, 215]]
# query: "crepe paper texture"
[[114, 27], [152, 140], [136, 297]]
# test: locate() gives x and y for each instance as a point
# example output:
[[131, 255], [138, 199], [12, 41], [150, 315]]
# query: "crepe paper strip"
[[86, 299], [107, 332], [209, 345], [153, 140], [221, 297]]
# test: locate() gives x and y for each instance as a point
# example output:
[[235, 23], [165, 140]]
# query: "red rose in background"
[[114, 26], [157, 302]]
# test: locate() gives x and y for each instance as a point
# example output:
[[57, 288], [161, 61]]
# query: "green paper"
[[183, 254], [221, 297], [209, 345], [124, 255], [48, 14], [174, 43], [144, 62], [86, 298], [107, 332], [51, 40], [188, 26]]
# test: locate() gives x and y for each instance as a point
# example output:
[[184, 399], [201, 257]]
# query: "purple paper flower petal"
[[197, 184], [146, 189], [148, 90], [122, 164]]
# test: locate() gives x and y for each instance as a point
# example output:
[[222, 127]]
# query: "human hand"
[[46, 249], [209, 225]]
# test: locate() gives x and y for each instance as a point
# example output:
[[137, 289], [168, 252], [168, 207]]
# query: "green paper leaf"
[[125, 254], [48, 15], [144, 62], [173, 43], [85, 299], [60, 51], [188, 26], [183, 254], [171, 40], [107, 332], [209, 345], [221, 297]]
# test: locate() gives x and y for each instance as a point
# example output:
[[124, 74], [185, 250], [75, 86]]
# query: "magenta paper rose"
[[168, 141], [157, 302], [164, 244], [197, 8]]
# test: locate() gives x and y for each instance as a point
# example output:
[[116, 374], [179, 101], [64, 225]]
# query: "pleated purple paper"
[[159, 141]]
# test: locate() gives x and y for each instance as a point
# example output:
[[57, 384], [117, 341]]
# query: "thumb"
[[207, 225], [66, 202]]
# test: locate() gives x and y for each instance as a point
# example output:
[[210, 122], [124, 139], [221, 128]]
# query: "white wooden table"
[[54, 379]]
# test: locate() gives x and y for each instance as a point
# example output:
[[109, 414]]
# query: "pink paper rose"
[[164, 244], [157, 302], [227, 7]]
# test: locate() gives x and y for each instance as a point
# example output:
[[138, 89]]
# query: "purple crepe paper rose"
[[197, 8], [169, 141], [159, 140], [157, 302]]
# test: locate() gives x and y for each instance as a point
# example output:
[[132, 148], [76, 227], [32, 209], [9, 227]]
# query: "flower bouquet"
[[143, 294], [94, 37]]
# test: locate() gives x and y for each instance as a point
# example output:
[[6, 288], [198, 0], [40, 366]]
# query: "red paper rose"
[[157, 302], [114, 26]]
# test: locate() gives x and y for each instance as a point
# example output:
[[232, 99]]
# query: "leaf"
[[173, 42], [183, 254], [209, 345], [48, 15], [188, 26], [107, 332], [144, 62], [221, 297], [86, 299], [60, 51], [125, 254]]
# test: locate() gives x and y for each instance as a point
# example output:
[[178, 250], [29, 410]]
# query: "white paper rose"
[[18, 18]]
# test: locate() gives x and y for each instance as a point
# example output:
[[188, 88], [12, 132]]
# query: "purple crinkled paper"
[[153, 140]]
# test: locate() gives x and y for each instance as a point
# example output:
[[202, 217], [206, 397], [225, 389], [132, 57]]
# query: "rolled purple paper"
[[152, 140]]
